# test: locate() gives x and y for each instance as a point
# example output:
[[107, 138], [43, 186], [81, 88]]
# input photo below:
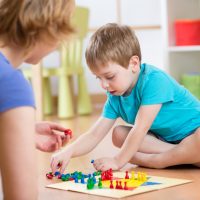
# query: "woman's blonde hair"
[[24, 22], [112, 43]]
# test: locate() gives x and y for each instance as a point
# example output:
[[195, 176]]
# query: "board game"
[[115, 185]]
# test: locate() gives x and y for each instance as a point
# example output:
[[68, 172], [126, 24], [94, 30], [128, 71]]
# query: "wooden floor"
[[79, 125]]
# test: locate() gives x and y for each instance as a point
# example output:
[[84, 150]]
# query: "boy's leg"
[[187, 152], [150, 143]]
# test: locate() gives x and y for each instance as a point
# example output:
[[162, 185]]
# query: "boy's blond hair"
[[24, 22], [112, 43]]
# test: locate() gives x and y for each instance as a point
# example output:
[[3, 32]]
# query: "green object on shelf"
[[192, 83]]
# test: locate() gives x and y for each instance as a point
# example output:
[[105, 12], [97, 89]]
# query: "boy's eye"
[[110, 77]]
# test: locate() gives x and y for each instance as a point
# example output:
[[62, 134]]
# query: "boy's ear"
[[134, 63]]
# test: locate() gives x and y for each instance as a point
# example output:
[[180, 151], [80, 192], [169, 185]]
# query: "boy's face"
[[116, 79]]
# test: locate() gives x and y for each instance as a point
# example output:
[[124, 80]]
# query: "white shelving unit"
[[179, 59]]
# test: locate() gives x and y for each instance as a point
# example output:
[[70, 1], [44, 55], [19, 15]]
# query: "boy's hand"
[[104, 164], [46, 138], [61, 160]]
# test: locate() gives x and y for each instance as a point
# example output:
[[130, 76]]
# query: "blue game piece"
[[82, 180], [57, 173], [76, 180], [62, 175], [84, 175], [92, 161], [94, 180], [68, 175]]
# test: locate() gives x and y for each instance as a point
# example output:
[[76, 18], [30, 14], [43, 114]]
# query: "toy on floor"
[[105, 179], [112, 184]]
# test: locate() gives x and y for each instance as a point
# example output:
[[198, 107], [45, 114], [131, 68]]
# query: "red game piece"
[[127, 176], [107, 175], [117, 186], [120, 185], [111, 185], [59, 164], [59, 176], [125, 186], [49, 175], [68, 132]]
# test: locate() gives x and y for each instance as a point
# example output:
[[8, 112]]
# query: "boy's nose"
[[105, 85]]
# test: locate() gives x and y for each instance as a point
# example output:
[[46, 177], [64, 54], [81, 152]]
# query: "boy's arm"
[[84, 144], [88, 141], [143, 122]]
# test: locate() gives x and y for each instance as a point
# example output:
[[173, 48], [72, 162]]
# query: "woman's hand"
[[48, 138]]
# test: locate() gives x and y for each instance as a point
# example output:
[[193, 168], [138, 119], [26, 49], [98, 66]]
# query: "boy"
[[163, 117]]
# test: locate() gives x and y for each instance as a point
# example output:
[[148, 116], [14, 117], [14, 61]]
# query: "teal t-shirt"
[[180, 112]]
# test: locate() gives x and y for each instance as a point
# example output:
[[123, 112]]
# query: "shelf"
[[184, 48]]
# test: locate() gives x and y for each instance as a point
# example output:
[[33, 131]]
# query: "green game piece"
[[79, 175], [64, 178], [99, 172], [95, 173], [100, 183], [90, 184]]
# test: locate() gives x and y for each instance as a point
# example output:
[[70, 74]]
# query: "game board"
[[136, 183]]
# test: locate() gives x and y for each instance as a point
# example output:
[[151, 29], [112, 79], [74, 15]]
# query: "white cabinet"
[[179, 59]]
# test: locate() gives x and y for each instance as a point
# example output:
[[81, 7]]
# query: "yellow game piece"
[[139, 176], [132, 175], [144, 176]]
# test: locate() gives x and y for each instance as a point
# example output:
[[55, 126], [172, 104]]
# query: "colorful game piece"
[[94, 174], [107, 175], [127, 176], [120, 185], [64, 178], [132, 175], [76, 179], [144, 176], [90, 184], [99, 172], [139, 178], [94, 180], [111, 184], [59, 164], [59, 176], [117, 186], [100, 183], [125, 186], [49, 175], [82, 180], [57, 173], [92, 161], [68, 132]]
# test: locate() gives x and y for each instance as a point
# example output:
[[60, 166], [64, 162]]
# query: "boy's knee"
[[198, 133], [198, 139], [197, 136], [116, 136]]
